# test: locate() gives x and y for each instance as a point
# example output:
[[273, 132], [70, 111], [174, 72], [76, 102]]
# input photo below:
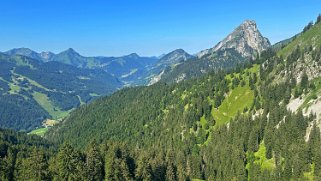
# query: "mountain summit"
[[246, 39], [174, 57]]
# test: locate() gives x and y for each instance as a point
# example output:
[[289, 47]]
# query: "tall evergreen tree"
[[94, 164], [35, 166], [70, 165]]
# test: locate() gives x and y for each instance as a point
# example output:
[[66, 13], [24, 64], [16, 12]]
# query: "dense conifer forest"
[[234, 124]]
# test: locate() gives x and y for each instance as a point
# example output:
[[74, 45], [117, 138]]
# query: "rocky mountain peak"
[[71, 51], [246, 39]]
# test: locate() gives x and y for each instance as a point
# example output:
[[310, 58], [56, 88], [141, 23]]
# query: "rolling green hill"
[[32, 91]]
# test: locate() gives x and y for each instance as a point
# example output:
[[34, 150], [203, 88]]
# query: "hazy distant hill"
[[32, 90]]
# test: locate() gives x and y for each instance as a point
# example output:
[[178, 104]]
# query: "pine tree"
[[94, 164], [9, 161], [170, 170], [19, 170], [69, 164], [124, 169], [144, 170], [314, 141], [317, 162], [319, 19], [110, 164], [35, 167]]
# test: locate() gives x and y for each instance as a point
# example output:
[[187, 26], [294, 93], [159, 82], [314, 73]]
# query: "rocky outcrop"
[[246, 39]]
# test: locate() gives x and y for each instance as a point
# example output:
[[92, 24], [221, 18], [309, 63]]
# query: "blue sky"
[[147, 27]]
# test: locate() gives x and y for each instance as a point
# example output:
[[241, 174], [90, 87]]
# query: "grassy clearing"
[[14, 89], [132, 71], [260, 158], [203, 122], [44, 101], [94, 94], [310, 175], [32, 82], [239, 99], [39, 131], [236, 101]]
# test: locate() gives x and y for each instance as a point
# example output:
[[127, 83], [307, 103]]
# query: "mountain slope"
[[304, 40], [233, 125], [240, 46], [169, 60], [246, 39], [24, 52], [71, 57], [32, 91], [131, 69], [174, 57]]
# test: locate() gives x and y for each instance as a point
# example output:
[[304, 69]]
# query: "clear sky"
[[147, 27]]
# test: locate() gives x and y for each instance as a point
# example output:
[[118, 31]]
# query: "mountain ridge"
[[245, 36], [37, 90], [242, 45]]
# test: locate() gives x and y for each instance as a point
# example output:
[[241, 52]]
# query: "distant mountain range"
[[53, 84], [243, 44], [129, 69], [32, 90]]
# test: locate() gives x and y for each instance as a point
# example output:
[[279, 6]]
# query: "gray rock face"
[[246, 39], [47, 56], [169, 60]]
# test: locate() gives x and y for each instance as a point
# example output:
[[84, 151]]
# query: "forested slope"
[[199, 128], [259, 121], [32, 91]]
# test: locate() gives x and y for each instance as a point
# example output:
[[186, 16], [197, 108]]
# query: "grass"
[[91, 63], [39, 131], [310, 37], [310, 175], [132, 71], [239, 99], [313, 93], [183, 96], [32, 82], [80, 100], [44, 101], [21, 62], [14, 86], [203, 122], [260, 158], [186, 107], [94, 94], [14, 89]]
